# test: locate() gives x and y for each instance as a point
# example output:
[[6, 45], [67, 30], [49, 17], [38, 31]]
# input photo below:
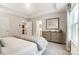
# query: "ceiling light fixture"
[[28, 4]]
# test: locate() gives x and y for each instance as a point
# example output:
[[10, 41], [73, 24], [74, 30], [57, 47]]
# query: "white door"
[[29, 28], [39, 28]]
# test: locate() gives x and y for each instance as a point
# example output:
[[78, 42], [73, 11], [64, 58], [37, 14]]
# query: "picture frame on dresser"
[[52, 23]]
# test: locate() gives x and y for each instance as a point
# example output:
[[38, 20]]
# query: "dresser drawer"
[[47, 38], [53, 36], [55, 33], [57, 39], [46, 35], [56, 36]]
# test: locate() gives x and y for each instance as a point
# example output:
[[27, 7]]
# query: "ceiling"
[[34, 9]]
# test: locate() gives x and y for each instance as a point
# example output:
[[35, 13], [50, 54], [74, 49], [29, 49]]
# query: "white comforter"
[[17, 46], [40, 41]]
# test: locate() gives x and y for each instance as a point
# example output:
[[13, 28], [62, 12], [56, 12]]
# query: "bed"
[[19, 46]]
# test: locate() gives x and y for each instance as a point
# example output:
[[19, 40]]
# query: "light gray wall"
[[9, 24], [63, 22], [4, 24], [13, 22], [15, 25]]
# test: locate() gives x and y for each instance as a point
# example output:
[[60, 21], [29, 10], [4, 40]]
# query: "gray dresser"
[[53, 36]]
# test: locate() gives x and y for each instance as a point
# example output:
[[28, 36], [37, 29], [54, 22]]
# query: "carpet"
[[55, 49]]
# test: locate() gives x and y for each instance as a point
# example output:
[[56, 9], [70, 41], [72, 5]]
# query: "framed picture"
[[52, 23]]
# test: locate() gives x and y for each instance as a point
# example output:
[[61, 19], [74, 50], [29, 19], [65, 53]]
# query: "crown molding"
[[42, 14], [13, 12]]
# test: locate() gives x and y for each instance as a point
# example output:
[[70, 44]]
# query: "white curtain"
[[72, 25]]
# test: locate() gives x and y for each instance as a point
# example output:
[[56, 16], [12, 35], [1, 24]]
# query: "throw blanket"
[[40, 41]]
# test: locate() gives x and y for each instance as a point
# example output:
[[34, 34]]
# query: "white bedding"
[[40, 41], [15, 46]]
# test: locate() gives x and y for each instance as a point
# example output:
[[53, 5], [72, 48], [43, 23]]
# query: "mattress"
[[15, 46]]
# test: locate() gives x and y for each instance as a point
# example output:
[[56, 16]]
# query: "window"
[[74, 23]]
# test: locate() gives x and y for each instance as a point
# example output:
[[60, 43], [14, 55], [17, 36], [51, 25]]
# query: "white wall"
[[9, 24], [63, 22], [4, 24], [15, 27], [13, 21]]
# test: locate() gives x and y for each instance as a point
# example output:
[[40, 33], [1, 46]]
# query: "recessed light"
[[28, 4]]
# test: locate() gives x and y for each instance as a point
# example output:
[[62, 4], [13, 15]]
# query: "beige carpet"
[[56, 49]]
